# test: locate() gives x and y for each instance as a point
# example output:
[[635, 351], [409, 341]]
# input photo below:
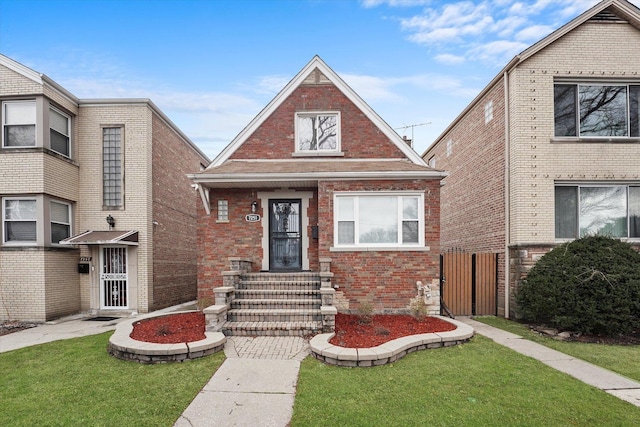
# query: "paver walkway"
[[255, 386]]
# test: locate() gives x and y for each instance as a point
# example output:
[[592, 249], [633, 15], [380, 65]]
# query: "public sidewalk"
[[615, 384]]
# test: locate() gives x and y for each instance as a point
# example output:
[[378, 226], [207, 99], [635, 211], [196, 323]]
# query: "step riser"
[[242, 294], [279, 286], [270, 333], [271, 329], [275, 305], [233, 317]]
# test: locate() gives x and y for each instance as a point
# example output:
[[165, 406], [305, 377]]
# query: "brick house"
[[316, 187], [549, 150], [97, 212]]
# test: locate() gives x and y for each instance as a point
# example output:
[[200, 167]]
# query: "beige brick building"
[[550, 149], [69, 167]]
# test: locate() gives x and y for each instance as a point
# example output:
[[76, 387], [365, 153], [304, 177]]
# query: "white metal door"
[[113, 278]]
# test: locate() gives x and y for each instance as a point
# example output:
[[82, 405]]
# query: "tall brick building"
[[550, 148], [317, 187], [97, 212]]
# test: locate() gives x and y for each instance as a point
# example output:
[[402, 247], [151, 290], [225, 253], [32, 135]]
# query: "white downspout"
[[507, 199]]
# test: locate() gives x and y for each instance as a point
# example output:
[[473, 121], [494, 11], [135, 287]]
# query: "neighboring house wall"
[[174, 217], [595, 52], [473, 193]]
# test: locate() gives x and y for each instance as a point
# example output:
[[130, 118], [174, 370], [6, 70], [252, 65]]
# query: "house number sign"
[[252, 218]]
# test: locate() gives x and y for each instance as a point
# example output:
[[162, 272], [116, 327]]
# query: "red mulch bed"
[[170, 329], [353, 332]]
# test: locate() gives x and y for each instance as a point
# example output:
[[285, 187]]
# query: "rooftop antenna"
[[412, 126]]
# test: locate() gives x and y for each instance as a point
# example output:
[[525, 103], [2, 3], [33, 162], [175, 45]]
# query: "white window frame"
[[5, 240], [399, 245], [51, 221], [35, 122], [316, 114], [67, 135]]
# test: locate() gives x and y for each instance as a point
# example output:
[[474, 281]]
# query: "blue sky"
[[211, 66]]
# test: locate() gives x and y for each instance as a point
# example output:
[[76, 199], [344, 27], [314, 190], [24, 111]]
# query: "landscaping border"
[[122, 346], [390, 351]]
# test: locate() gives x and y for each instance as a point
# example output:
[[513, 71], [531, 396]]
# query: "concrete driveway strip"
[[245, 392]]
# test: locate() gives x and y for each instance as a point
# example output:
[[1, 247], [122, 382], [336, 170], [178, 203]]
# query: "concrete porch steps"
[[276, 304]]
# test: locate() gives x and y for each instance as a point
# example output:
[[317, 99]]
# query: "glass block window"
[[223, 210], [112, 167]]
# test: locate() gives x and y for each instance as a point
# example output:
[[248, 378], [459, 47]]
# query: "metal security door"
[[113, 278], [285, 237]]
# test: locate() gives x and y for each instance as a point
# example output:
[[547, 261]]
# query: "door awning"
[[103, 238]]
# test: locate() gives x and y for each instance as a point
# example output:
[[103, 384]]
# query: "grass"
[[476, 384], [623, 359], [76, 383]]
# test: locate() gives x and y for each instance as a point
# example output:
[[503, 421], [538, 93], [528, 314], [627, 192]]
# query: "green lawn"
[[623, 359], [76, 383], [476, 384]]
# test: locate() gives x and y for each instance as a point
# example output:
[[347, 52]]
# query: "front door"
[[285, 237], [113, 278]]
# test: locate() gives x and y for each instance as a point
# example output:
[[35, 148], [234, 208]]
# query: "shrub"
[[590, 285]]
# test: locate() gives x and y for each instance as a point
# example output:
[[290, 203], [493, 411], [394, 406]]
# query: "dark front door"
[[285, 237]]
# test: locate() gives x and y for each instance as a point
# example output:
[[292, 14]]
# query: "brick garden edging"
[[390, 351], [122, 346]]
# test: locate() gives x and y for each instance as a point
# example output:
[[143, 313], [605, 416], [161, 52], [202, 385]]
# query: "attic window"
[[318, 132], [488, 112]]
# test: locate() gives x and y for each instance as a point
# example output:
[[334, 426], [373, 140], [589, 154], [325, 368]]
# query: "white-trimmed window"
[[596, 110], [379, 219], [60, 214], [488, 112], [59, 131], [611, 210], [318, 132], [112, 167], [223, 210], [19, 216], [19, 123]]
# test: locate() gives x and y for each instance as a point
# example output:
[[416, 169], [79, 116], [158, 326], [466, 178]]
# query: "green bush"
[[590, 285]]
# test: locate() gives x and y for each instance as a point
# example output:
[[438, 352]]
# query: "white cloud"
[[394, 3], [534, 33], [449, 59], [497, 52]]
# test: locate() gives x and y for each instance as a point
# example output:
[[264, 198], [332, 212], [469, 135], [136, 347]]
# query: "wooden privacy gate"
[[468, 283]]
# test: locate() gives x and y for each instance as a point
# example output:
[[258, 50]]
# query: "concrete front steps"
[[275, 304]]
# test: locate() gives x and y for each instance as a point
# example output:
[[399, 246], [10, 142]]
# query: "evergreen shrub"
[[590, 285]]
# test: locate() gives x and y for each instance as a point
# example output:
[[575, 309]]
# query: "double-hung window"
[[318, 132], [60, 214], [597, 110], [112, 167], [611, 210], [379, 219], [59, 131], [19, 123], [20, 218]]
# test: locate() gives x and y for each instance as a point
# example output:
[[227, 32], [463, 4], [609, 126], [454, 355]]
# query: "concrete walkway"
[[255, 386], [615, 384]]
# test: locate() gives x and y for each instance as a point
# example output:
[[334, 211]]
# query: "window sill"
[[379, 249], [594, 140], [318, 154]]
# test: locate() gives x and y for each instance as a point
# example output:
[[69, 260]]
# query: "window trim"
[[51, 221], [5, 220], [595, 138], [577, 186], [68, 135], [398, 245], [318, 152], [35, 123]]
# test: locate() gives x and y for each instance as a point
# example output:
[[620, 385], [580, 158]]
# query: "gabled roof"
[[605, 10], [315, 63]]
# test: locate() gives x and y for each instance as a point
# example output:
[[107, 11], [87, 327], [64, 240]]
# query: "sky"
[[212, 65]]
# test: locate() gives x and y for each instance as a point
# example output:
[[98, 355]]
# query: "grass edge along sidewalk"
[[478, 383]]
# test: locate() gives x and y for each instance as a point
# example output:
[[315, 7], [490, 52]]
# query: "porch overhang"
[[90, 237]]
